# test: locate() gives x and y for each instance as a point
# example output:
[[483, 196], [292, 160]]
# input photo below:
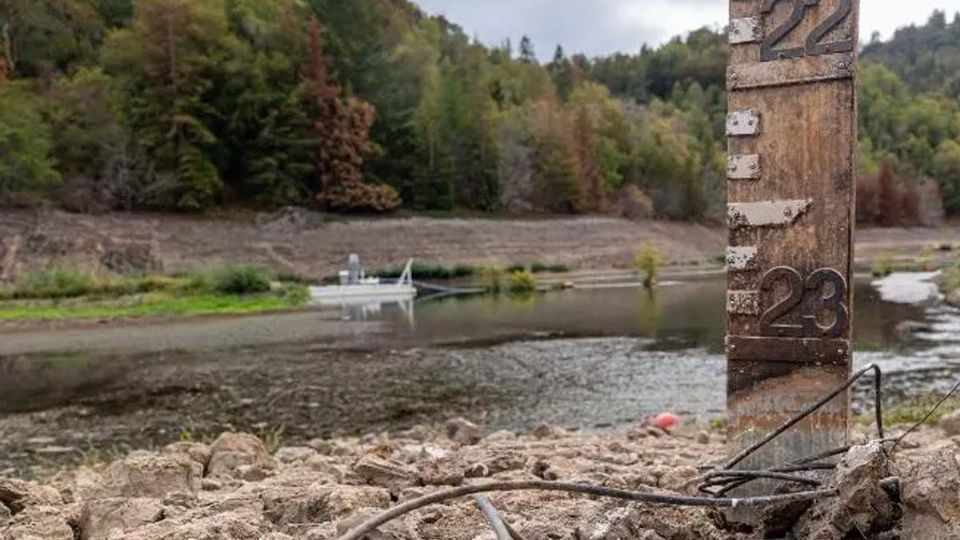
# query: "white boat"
[[356, 288]]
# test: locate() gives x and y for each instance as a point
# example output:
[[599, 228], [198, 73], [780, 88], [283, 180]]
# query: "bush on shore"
[[65, 283]]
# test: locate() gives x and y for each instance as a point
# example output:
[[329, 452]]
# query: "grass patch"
[[913, 411], [152, 305], [64, 294]]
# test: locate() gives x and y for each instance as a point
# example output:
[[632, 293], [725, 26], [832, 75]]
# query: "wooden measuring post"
[[792, 130]]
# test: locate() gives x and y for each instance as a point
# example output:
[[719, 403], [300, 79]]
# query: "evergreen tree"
[[527, 54]]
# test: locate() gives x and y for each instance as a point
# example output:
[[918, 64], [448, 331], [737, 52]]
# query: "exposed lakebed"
[[590, 359]]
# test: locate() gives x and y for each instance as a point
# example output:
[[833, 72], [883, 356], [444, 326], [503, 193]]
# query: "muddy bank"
[[235, 489], [313, 246]]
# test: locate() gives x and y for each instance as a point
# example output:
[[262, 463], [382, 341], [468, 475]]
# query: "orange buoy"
[[667, 421]]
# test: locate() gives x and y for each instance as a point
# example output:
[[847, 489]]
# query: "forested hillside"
[[371, 105]]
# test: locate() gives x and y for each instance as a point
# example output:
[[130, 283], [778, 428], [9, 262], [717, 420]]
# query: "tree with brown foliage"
[[594, 198], [342, 124], [342, 129], [890, 200]]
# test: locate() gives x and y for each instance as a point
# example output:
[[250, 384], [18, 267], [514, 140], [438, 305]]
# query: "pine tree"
[[562, 72], [527, 54]]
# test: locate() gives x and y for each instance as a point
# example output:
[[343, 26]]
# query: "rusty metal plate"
[[808, 69], [743, 167], [743, 302], [771, 349], [743, 123], [740, 259], [766, 214], [746, 30]]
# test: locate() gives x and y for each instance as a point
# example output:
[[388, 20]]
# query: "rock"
[[501, 436], [615, 521], [703, 437], [462, 431], [929, 491], [277, 536], [863, 507], [678, 478], [102, 519], [547, 431], [5, 514], [198, 452], [399, 529], [39, 523], [320, 503], [440, 473], [18, 495], [86, 482], [149, 476], [477, 470], [384, 473], [615, 524], [236, 455], [211, 484], [327, 531], [297, 454], [950, 424], [327, 468]]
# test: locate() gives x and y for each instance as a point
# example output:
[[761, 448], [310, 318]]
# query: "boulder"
[[240, 455], [18, 495], [104, 519], [198, 452], [863, 506], [39, 523], [385, 473], [149, 476], [930, 486]]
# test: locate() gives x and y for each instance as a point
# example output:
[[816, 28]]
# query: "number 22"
[[813, 45]]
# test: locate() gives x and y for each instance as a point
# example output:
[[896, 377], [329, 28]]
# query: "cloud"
[[598, 27]]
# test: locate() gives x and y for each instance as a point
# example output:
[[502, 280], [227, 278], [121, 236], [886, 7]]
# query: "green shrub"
[[521, 282], [239, 280], [492, 278], [882, 267], [428, 271], [647, 262], [57, 283]]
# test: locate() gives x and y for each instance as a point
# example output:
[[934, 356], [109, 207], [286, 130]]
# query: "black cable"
[[542, 485]]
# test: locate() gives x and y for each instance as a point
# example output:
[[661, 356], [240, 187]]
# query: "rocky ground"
[[235, 489]]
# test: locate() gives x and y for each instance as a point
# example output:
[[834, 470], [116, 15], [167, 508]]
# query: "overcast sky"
[[598, 27]]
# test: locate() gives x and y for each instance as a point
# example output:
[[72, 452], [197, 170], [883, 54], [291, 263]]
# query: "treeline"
[[370, 105]]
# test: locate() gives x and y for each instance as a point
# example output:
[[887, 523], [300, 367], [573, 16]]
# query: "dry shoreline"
[[309, 245]]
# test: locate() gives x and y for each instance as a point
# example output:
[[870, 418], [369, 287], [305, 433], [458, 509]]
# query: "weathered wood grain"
[[806, 147]]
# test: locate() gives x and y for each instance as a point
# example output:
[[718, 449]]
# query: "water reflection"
[[579, 358]]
